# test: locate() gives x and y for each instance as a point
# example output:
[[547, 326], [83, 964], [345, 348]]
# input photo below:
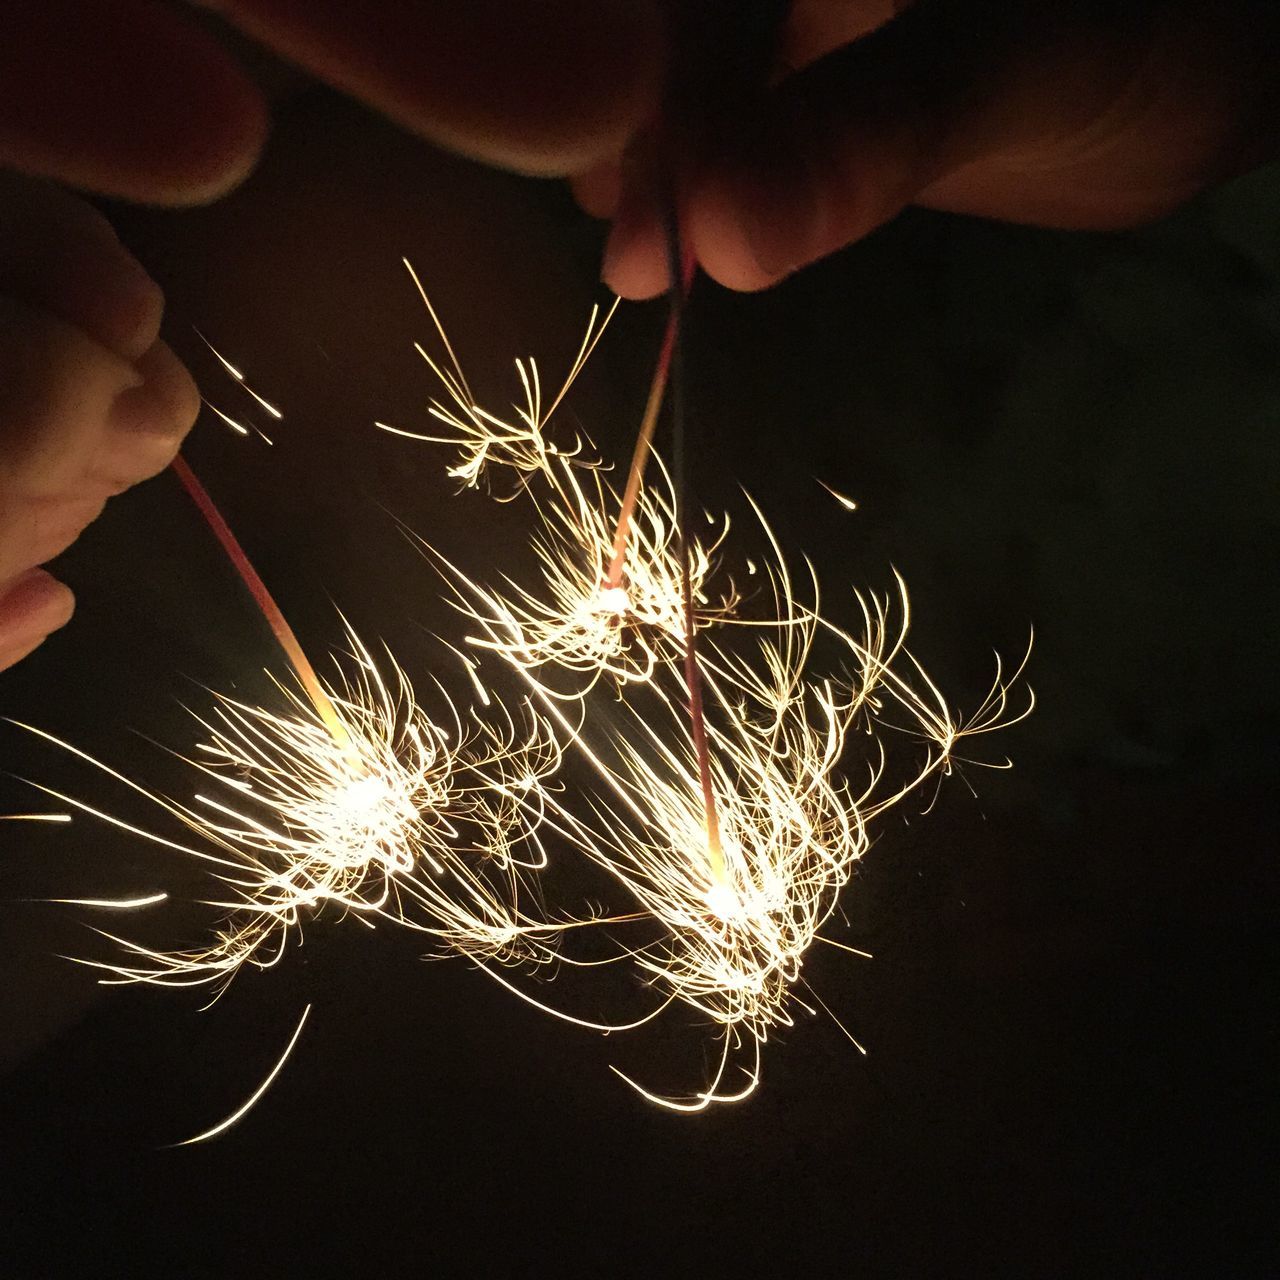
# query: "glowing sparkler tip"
[[723, 902], [613, 600]]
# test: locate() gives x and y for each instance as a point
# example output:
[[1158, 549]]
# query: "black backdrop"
[[1069, 1013]]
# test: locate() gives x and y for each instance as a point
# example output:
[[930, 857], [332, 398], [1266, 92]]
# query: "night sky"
[[1070, 1013]]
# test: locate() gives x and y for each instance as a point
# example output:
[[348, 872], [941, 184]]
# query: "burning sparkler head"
[[430, 826]]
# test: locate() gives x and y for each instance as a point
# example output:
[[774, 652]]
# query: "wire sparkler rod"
[[276, 620], [648, 425], [682, 267]]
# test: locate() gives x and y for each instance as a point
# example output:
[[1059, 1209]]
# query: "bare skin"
[[1001, 108]]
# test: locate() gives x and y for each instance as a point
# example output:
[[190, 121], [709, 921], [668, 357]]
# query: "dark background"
[[1070, 1011]]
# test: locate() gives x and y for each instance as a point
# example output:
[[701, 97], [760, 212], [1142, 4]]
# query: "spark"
[[238, 427], [253, 1099], [843, 499], [238, 375], [346, 795], [733, 788], [792, 823], [113, 904], [35, 817], [572, 628], [486, 440], [405, 819]]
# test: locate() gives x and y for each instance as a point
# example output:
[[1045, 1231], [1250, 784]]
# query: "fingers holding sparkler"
[[77, 425]]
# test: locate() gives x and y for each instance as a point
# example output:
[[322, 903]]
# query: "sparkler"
[[348, 798], [736, 829], [791, 824], [610, 601], [348, 795], [403, 819]]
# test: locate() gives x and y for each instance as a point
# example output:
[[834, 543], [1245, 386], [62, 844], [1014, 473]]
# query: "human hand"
[[91, 401], [135, 98], [1026, 110], [1083, 115]]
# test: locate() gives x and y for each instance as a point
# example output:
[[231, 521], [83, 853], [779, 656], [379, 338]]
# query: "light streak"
[[238, 375], [486, 440], [238, 427], [243, 1110], [843, 499], [112, 904], [349, 795], [792, 823], [422, 824]]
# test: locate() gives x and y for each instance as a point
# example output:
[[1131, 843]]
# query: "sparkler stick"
[[276, 620], [648, 423], [692, 677]]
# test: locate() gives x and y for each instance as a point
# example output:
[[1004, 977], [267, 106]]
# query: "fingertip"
[[754, 211], [636, 263], [598, 190], [106, 292], [59, 606], [170, 381], [58, 254], [148, 422], [544, 89], [717, 222], [34, 605], [224, 155], [199, 154]]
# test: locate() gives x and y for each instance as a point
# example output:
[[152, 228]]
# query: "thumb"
[[1010, 110]]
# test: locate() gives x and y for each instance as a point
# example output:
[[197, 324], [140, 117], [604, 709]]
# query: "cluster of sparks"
[[729, 797]]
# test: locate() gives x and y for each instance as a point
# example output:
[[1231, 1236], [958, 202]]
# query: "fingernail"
[[775, 201], [34, 604]]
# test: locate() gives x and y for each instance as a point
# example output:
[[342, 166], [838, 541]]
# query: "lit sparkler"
[[610, 597], [790, 824], [735, 838], [347, 796], [402, 819]]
